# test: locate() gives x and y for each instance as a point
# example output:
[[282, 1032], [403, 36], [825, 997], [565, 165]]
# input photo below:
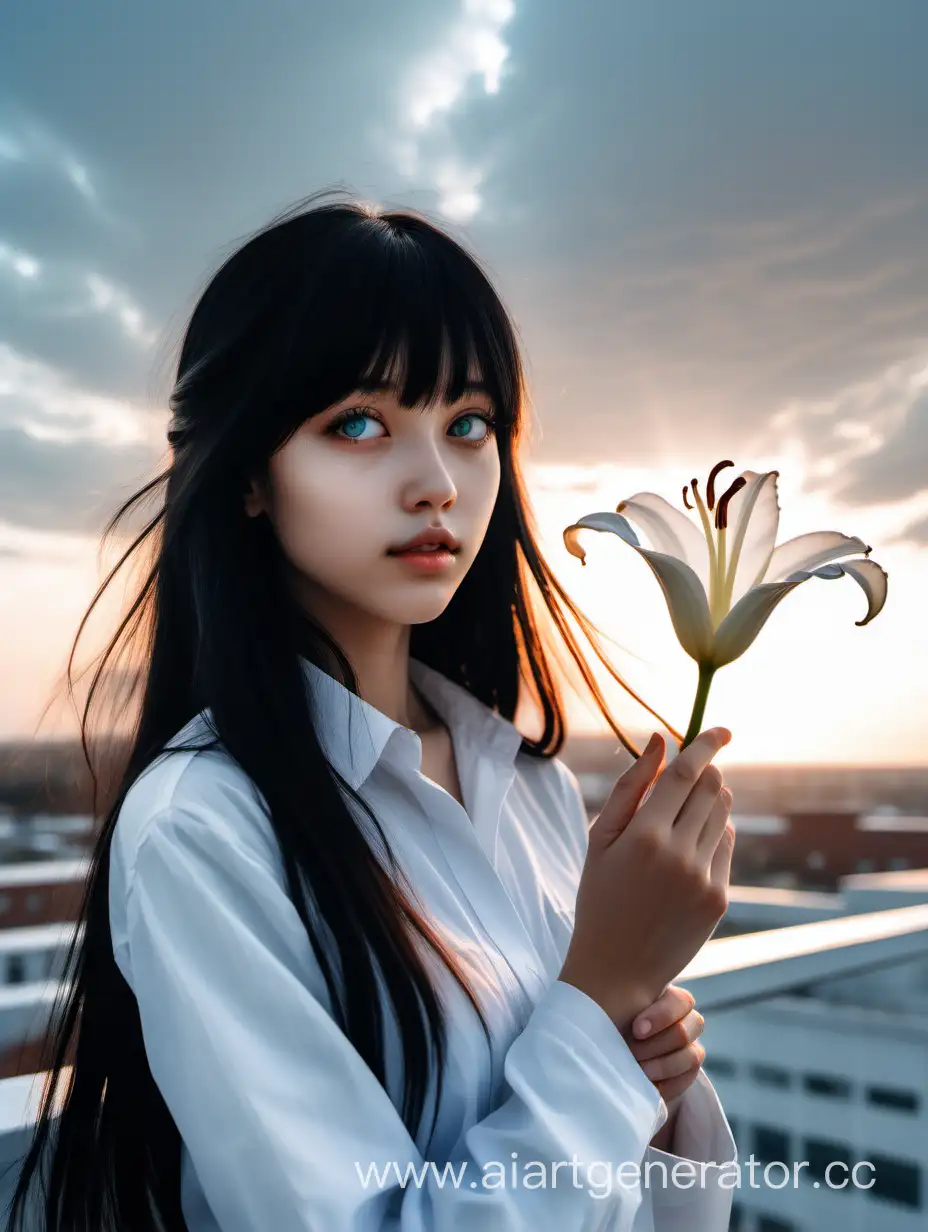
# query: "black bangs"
[[396, 305]]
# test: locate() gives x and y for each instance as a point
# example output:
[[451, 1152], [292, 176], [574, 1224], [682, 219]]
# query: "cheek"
[[320, 515], [489, 490]]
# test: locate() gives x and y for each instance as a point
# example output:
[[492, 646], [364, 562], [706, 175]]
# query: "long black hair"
[[328, 291]]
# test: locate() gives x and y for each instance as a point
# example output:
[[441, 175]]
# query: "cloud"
[[708, 233], [897, 470], [419, 135], [915, 533], [661, 354], [65, 452], [39, 399], [66, 486]]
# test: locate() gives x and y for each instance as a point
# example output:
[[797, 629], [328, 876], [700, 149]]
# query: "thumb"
[[628, 792]]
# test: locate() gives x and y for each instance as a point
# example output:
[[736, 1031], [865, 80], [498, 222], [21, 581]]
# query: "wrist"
[[622, 1006]]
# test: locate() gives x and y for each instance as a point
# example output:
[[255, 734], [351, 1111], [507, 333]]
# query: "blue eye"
[[465, 418], [352, 422]]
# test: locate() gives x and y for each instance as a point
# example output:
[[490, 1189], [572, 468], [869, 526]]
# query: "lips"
[[433, 538]]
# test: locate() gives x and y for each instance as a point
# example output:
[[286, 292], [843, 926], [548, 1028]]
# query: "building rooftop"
[[897, 879], [34, 937], [42, 872]]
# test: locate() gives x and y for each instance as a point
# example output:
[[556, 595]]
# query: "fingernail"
[[643, 1028]]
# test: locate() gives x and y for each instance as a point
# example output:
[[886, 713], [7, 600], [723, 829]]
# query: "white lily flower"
[[722, 578]]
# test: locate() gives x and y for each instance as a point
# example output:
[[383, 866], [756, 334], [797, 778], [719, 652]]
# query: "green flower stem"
[[706, 672]]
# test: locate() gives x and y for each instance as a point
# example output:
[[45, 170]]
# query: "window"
[[15, 969], [719, 1067], [828, 1085], [894, 1180], [770, 1223], [820, 1153], [770, 1075], [889, 1097], [771, 1144]]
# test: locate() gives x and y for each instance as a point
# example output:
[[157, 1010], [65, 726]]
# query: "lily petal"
[[746, 619], [753, 521], [872, 580], [670, 531], [810, 551], [684, 593], [743, 623]]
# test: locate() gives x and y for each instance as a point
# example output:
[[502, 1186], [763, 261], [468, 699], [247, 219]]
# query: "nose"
[[432, 483]]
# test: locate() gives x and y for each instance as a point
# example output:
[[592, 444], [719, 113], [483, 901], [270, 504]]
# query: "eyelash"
[[369, 413]]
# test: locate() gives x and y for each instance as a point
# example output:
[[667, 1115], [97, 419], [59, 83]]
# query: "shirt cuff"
[[692, 1186], [617, 1102]]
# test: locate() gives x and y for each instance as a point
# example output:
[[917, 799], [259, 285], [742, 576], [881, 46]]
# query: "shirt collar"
[[355, 734]]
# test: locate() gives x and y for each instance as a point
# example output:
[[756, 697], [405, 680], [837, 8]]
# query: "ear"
[[254, 500]]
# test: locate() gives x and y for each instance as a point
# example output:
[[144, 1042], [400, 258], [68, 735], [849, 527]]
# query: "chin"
[[410, 608], [420, 612]]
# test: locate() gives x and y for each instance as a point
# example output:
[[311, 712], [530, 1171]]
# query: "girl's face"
[[366, 475]]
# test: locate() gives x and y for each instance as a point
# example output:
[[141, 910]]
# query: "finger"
[[712, 831], [673, 1003], [672, 1038], [673, 1064], [700, 803], [627, 793], [720, 868], [675, 783], [673, 1088]]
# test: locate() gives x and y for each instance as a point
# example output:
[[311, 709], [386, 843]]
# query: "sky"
[[707, 219]]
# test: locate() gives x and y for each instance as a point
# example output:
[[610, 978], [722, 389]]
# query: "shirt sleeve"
[[691, 1188], [282, 1118]]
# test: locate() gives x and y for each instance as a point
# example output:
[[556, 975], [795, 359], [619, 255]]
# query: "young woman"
[[343, 919]]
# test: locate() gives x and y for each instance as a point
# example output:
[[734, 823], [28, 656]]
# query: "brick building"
[[41, 892]]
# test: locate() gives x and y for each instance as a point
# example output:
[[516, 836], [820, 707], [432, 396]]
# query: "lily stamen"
[[721, 514], [718, 608], [710, 486], [744, 520], [710, 541]]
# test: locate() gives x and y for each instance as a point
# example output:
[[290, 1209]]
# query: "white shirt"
[[279, 1116]]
